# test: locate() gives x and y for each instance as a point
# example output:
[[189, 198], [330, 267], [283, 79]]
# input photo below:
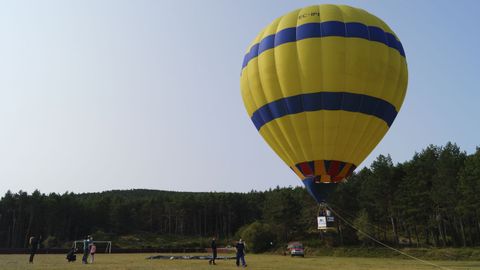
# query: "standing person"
[[214, 251], [86, 249], [33, 243], [240, 247], [93, 249]]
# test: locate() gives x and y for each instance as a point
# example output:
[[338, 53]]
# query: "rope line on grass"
[[383, 244]]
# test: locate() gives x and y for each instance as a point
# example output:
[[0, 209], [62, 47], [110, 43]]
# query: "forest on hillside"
[[433, 199]]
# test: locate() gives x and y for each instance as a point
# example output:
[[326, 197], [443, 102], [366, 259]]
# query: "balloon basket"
[[325, 219]]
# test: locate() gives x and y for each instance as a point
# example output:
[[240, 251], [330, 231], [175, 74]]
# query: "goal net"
[[102, 246]]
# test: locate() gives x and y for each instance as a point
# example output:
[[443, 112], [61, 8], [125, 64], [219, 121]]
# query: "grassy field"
[[277, 262]]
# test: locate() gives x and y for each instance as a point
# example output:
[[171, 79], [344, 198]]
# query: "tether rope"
[[383, 244], [345, 213]]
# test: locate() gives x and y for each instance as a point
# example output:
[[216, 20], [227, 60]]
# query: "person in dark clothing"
[[214, 251], [71, 257], [33, 242], [86, 249], [240, 247]]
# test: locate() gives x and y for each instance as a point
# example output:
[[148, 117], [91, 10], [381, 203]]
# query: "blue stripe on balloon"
[[331, 101], [285, 36], [266, 43], [324, 29], [332, 29]]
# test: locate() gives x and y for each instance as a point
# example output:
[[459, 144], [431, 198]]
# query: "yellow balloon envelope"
[[322, 85]]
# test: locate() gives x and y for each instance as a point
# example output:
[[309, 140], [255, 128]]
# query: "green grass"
[[461, 254], [276, 262]]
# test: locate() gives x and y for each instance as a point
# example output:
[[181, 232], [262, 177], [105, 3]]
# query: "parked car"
[[296, 249]]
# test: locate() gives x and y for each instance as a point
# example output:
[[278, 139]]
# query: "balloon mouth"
[[320, 191], [324, 171]]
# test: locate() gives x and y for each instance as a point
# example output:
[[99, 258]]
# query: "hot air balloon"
[[322, 85]]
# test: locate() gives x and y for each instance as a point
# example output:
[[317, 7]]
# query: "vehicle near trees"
[[296, 249]]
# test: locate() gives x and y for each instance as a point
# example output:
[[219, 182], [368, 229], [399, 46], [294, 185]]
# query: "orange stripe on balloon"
[[325, 178], [320, 167], [343, 173]]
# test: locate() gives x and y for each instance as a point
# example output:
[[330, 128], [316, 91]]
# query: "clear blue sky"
[[100, 95]]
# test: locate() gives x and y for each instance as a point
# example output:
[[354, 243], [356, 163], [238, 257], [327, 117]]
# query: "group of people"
[[239, 248], [89, 249]]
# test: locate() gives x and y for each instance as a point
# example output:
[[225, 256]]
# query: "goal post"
[[108, 245]]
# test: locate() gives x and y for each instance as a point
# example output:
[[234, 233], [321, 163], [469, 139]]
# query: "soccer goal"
[[99, 244]]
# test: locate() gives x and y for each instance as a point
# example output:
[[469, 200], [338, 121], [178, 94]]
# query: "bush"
[[259, 237], [50, 242]]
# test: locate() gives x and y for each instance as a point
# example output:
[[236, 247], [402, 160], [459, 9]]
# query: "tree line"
[[432, 199]]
